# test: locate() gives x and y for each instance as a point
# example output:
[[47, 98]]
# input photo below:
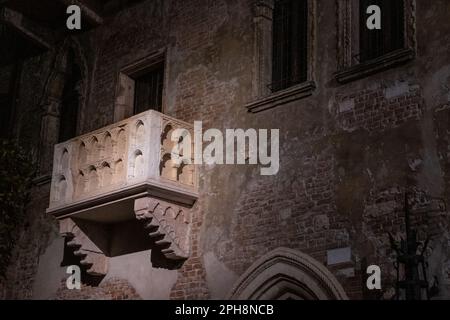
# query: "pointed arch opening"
[[287, 274], [70, 99]]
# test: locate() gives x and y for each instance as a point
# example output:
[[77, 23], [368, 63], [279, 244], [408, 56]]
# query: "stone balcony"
[[120, 173]]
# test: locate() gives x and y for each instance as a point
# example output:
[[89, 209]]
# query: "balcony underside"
[[118, 206]]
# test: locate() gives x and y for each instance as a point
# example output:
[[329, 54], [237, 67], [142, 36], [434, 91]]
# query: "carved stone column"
[[49, 135], [263, 47]]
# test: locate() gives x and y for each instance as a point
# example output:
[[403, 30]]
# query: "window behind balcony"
[[376, 43], [149, 89], [70, 100], [290, 37]]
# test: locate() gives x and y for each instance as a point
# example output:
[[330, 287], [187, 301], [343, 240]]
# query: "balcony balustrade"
[[123, 172]]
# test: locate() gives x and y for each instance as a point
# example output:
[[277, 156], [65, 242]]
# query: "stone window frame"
[[349, 69], [262, 97], [125, 88]]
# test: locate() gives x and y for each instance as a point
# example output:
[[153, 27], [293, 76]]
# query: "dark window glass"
[[375, 43], [290, 43], [149, 89]]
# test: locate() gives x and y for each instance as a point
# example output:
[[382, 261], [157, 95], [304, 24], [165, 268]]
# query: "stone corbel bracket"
[[168, 224], [91, 257]]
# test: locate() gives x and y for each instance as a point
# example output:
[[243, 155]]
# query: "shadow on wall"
[[111, 240]]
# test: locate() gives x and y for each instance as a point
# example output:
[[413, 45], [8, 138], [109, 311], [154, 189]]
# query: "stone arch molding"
[[49, 103], [287, 274], [52, 87]]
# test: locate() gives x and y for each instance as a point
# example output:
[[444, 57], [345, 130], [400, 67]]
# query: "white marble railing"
[[124, 158]]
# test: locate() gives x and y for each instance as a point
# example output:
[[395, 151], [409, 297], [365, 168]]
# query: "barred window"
[[376, 43], [149, 89], [363, 52], [290, 43]]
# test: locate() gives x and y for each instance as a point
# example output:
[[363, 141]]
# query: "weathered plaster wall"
[[346, 152]]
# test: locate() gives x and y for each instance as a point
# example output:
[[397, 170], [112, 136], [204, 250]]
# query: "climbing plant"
[[16, 175]]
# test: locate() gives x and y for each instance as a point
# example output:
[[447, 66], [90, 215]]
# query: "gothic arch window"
[[287, 274], [64, 97], [70, 100]]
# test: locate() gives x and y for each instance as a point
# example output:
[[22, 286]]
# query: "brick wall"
[[379, 109], [346, 152], [111, 289]]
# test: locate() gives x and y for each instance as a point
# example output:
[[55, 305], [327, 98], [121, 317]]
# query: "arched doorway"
[[287, 274]]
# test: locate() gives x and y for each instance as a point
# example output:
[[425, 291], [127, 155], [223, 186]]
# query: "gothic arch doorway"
[[287, 274]]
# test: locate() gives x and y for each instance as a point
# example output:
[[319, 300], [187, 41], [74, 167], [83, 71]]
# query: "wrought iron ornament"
[[412, 283]]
